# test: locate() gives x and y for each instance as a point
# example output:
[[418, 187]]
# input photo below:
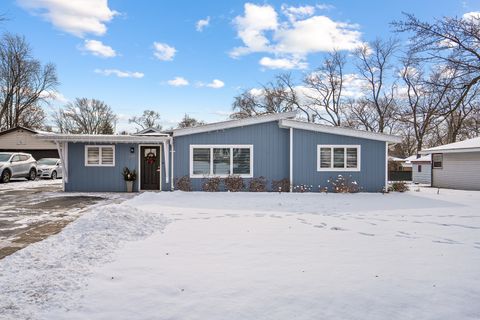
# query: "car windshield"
[[5, 156], [47, 162]]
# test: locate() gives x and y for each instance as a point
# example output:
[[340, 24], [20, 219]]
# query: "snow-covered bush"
[[258, 185], [281, 185], [211, 184], [342, 184], [303, 188], [184, 184], [233, 183]]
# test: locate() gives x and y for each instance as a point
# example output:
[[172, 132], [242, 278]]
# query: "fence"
[[400, 175]]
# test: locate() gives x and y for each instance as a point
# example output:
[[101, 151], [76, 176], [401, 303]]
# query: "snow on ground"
[[256, 256]]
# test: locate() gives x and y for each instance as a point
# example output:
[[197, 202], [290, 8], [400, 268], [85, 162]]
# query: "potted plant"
[[129, 177]]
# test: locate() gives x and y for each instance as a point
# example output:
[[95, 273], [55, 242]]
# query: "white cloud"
[[119, 73], [97, 48], [163, 51], [78, 17], [178, 82], [294, 13], [251, 28], [283, 63], [216, 84], [291, 39], [472, 16], [202, 23]]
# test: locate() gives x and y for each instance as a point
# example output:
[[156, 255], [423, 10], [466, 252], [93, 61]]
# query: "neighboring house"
[[422, 169], [456, 165], [22, 139], [273, 146]]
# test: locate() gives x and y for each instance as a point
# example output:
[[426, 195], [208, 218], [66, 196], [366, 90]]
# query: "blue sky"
[[137, 55]]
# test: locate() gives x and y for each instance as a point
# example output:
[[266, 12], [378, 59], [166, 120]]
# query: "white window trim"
[[344, 146], [211, 147], [433, 162], [100, 164]]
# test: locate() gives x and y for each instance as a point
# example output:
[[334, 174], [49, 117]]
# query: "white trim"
[[172, 185], [105, 138], [433, 162], [291, 160], [100, 151], [339, 130], [234, 123], [386, 166], [459, 150], [344, 147], [226, 146], [139, 149]]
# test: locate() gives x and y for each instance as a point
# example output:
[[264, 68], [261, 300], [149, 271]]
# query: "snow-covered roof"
[[150, 131], [427, 158], [470, 145], [234, 123], [102, 138], [296, 124], [396, 159]]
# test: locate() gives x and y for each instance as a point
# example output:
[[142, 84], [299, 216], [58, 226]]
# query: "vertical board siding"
[[270, 150], [100, 179], [460, 171], [371, 178], [422, 177]]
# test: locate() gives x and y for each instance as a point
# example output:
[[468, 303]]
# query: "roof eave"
[[457, 150]]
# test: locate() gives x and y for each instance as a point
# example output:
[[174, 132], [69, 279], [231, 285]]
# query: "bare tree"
[[24, 84], [88, 116], [149, 119], [375, 67], [188, 122], [325, 86], [449, 42]]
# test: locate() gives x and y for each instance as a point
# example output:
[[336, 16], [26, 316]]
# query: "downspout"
[[386, 166], [63, 154], [291, 159], [172, 186]]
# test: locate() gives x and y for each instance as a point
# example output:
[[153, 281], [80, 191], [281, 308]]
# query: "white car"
[[50, 168], [17, 165]]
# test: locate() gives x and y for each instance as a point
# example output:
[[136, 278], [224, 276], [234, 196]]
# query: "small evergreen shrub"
[[343, 184], [211, 184], [258, 185], [184, 184], [233, 183], [281, 185]]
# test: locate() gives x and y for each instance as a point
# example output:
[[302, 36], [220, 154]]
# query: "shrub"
[[400, 186], [281, 185], [343, 184], [211, 184], [258, 185], [233, 183], [184, 184], [129, 175]]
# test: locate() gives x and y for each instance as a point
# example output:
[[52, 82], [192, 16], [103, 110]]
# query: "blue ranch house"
[[273, 146]]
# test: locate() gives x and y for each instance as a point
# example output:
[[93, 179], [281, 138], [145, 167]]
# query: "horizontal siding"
[[270, 149], [23, 140], [422, 177], [371, 178], [460, 171], [99, 179]]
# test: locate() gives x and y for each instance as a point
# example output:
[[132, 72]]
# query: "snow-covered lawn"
[[256, 256]]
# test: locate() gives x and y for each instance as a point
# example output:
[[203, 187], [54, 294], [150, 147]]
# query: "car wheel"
[[54, 175], [32, 174], [5, 176]]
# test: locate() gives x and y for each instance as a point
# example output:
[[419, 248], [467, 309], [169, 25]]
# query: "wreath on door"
[[150, 158]]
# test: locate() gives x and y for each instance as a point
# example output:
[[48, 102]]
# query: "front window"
[[4, 157], [221, 160], [437, 160], [47, 162], [338, 158], [99, 156]]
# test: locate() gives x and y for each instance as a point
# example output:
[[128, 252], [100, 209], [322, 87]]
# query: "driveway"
[[30, 211]]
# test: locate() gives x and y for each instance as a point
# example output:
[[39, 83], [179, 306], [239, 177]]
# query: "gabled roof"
[[296, 124], [470, 145], [102, 138], [427, 158], [234, 123], [17, 128], [149, 130]]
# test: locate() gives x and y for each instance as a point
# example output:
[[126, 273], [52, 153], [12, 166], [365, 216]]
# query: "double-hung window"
[[99, 156], [437, 160], [221, 160], [338, 158]]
